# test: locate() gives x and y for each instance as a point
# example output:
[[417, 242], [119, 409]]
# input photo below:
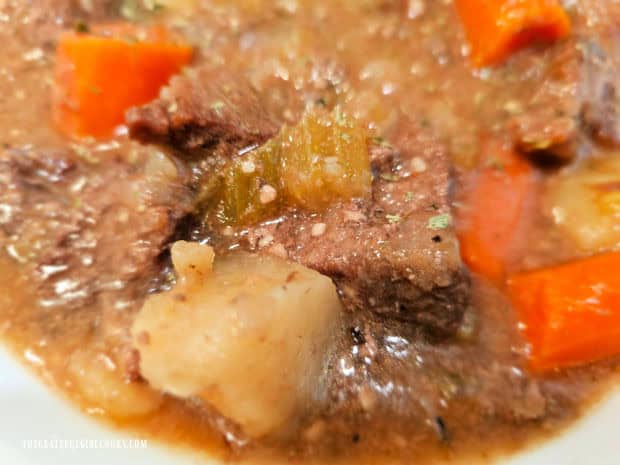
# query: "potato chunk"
[[250, 335], [320, 160], [586, 204], [97, 379]]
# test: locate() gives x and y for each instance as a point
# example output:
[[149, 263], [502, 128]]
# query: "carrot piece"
[[493, 207], [497, 28], [570, 312], [100, 75]]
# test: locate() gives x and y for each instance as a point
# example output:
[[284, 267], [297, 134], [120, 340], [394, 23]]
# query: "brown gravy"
[[376, 60]]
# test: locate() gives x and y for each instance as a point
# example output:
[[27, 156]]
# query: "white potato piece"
[[586, 204], [250, 335]]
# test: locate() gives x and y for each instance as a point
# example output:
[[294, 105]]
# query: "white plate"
[[31, 413]]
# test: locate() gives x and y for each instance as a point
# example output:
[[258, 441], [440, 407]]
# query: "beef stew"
[[351, 152]]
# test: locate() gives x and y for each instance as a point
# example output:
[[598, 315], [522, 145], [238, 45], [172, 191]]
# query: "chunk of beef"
[[602, 118], [397, 254], [201, 109], [601, 115], [550, 125], [83, 227], [89, 233], [572, 98]]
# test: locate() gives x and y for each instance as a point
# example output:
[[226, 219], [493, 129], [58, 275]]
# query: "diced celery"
[[243, 180], [325, 158], [322, 159]]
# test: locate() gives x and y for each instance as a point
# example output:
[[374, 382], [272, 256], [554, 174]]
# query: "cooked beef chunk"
[[87, 228], [573, 91], [201, 109], [601, 117], [550, 125], [396, 254], [576, 96]]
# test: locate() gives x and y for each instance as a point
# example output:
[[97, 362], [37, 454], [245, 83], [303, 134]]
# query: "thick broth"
[[394, 396]]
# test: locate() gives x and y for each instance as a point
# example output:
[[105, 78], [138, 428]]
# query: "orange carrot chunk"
[[497, 28], [493, 209], [571, 312], [100, 75]]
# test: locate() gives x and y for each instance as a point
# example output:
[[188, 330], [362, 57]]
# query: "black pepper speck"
[[358, 335]]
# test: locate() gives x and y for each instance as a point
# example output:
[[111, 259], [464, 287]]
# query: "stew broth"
[[70, 284]]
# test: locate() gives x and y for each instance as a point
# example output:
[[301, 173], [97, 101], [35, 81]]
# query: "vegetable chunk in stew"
[[378, 231]]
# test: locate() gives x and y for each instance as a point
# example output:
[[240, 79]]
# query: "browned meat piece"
[[89, 233], [601, 118], [87, 228], [550, 124], [573, 97], [576, 98], [201, 109], [397, 254]]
